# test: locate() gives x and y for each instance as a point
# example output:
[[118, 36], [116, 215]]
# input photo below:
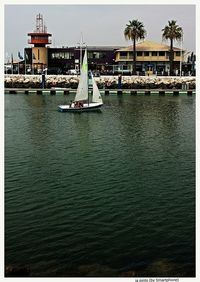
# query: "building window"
[[161, 53], [102, 55], [139, 53], [66, 55], [93, 55], [39, 37], [62, 55], [96, 55], [146, 53], [178, 53], [69, 55], [123, 55], [90, 55], [154, 53]]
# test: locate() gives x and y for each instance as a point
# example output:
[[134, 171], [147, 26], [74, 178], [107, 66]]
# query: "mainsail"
[[82, 91]]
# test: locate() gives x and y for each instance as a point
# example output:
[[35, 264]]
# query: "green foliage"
[[172, 32], [134, 31]]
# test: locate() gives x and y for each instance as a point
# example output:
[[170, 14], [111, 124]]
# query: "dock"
[[134, 92]]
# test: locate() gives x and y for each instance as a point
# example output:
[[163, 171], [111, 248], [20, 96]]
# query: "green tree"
[[134, 31], [172, 32]]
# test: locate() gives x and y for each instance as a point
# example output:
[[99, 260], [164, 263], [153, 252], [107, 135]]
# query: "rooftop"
[[148, 46]]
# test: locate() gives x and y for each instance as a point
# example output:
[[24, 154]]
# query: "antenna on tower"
[[40, 24]]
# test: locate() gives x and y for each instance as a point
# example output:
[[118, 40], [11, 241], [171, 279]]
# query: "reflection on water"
[[100, 194]]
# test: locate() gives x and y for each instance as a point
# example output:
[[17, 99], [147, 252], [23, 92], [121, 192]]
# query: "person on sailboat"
[[78, 104]]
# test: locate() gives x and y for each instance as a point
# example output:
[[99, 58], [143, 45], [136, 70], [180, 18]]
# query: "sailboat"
[[82, 102]]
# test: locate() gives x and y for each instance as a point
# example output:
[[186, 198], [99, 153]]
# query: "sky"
[[100, 25]]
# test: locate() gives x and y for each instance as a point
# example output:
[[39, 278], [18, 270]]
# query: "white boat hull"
[[85, 108]]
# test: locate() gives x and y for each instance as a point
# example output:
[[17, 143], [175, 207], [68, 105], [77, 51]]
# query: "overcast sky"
[[99, 24]]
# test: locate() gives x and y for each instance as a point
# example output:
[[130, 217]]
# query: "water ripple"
[[115, 189]]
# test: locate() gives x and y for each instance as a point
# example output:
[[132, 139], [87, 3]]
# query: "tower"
[[39, 38]]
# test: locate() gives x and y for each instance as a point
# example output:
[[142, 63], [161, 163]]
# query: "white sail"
[[82, 90], [82, 94], [96, 97]]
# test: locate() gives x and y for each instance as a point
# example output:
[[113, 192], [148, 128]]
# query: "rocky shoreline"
[[103, 82]]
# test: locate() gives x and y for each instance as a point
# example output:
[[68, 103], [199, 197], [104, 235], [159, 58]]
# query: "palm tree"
[[134, 31], [172, 32]]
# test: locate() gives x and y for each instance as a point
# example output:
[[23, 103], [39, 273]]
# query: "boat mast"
[[87, 75], [81, 49]]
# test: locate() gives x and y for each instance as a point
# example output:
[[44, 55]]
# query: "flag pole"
[[6, 62], [25, 66], [12, 62], [32, 62], [25, 61]]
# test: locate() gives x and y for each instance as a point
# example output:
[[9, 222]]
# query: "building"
[[61, 60], [151, 58], [100, 58], [39, 52]]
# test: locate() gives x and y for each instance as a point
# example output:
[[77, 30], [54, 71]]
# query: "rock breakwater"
[[107, 82]]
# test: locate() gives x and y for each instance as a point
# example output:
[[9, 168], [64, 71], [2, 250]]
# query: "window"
[[40, 37], [146, 53], [68, 55], [90, 55], [62, 55], [123, 54], [139, 53], [96, 55], [154, 53], [102, 55], [178, 53], [161, 53], [93, 55]]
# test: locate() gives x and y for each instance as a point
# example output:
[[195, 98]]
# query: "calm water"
[[100, 194]]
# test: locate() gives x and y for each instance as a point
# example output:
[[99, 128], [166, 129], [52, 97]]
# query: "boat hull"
[[85, 108]]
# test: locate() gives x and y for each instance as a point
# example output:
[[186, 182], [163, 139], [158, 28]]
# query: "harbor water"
[[110, 193]]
